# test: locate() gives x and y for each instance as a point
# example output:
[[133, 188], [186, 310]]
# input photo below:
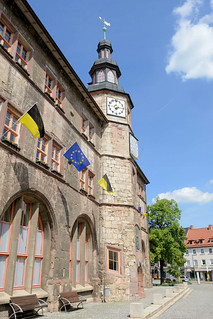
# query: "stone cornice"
[[119, 205], [115, 156], [122, 123]]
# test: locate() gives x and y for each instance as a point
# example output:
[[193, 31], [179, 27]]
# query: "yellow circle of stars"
[[76, 162]]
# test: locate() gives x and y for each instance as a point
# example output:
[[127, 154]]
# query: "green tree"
[[166, 236]]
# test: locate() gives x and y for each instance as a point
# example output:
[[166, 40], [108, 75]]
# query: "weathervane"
[[104, 28]]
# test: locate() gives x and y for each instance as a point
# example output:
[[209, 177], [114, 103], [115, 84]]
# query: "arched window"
[[101, 76], [110, 77], [5, 230], [38, 254], [137, 239], [86, 260], [21, 239], [80, 253]]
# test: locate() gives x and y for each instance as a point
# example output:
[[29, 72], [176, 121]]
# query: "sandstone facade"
[[75, 228]]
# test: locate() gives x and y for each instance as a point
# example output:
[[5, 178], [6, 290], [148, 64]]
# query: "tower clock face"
[[116, 107]]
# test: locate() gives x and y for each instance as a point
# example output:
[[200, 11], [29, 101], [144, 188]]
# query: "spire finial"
[[104, 28]]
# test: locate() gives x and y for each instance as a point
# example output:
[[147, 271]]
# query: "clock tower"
[[124, 243]]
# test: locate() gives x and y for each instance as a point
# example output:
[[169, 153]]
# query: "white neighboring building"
[[199, 254]]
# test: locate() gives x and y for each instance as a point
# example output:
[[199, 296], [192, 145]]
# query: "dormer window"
[[211, 240], [107, 53], [190, 242], [200, 241], [101, 76], [101, 54], [110, 77]]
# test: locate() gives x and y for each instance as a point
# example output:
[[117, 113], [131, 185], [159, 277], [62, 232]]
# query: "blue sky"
[[165, 53]]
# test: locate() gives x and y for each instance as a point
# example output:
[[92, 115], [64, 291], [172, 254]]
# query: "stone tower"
[[124, 247]]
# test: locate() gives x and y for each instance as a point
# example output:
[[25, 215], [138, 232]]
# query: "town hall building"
[[59, 229]]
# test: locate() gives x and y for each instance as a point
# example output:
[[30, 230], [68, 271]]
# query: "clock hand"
[[117, 106]]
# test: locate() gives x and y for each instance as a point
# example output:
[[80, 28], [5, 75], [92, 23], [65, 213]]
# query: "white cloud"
[[211, 181], [192, 45], [187, 8], [187, 195]]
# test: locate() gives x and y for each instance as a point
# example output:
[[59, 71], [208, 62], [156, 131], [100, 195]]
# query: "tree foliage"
[[166, 236]]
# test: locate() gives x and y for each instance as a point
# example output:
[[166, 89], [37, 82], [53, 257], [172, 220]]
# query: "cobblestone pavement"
[[198, 304], [109, 310]]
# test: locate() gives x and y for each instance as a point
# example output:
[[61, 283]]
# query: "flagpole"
[[17, 121], [27, 111]]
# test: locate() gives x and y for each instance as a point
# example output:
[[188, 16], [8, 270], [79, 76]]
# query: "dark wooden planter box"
[[92, 143], [84, 135], [5, 50], [83, 191], [50, 97], [60, 108], [21, 66], [11, 144], [91, 196], [43, 164]]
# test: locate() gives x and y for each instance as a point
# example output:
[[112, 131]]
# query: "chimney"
[[191, 227], [210, 227]]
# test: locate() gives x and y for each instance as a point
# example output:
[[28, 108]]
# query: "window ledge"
[[57, 173], [83, 191], [43, 164], [91, 196], [92, 143], [5, 50], [21, 66], [40, 292], [49, 96], [60, 108], [20, 292], [4, 298], [11, 144], [141, 197], [80, 288], [84, 135], [112, 273]]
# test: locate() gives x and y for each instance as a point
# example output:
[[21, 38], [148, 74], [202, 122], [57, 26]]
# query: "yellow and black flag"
[[32, 120], [104, 182]]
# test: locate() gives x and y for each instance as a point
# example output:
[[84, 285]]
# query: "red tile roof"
[[195, 235]]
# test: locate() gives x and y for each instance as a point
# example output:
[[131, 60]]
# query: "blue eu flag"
[[77, 157], [150, 222]]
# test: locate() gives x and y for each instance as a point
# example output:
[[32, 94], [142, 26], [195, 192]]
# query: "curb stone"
[[154, 311]]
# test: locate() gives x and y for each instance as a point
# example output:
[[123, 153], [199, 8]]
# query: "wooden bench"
[[69, 298], [28, 306]]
